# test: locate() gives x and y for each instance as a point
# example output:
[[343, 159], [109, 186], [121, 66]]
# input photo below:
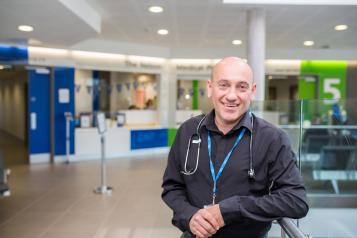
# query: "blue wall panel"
[[64, 79], [141, 139], [11, 54], [95, 90], [39, 104]]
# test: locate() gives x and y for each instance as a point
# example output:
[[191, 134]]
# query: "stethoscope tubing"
[[251, 173]]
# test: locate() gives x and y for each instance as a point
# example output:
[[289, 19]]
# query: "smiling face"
[[231, 90]]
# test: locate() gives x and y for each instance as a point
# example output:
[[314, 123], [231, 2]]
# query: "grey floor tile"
[[30, 221], [78, 222], [68, 235], [20, 233]]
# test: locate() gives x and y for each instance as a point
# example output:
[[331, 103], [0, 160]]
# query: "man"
[[236, 189]]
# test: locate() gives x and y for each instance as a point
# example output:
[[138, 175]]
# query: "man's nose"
[[232, 94]]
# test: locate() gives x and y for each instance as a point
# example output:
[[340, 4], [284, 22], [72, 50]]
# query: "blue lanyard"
[[216, 177]]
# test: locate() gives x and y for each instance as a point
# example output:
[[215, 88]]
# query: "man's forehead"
[[234, 80]]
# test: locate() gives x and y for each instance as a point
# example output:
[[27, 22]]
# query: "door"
[[39, 114]]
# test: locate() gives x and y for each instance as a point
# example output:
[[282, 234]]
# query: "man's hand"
[[203, 224], [215, 211]]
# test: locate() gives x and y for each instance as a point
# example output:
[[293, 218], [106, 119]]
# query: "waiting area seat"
[[338, 162], [313, 144]]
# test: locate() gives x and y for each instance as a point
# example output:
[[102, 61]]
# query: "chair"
[[313, 145], [336, 163]]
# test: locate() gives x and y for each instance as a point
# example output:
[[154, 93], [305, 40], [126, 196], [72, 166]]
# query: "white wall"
[[83, 78], [13, 103]]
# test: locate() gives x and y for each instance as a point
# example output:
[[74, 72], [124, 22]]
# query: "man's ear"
[[209, 88], [254, 90]]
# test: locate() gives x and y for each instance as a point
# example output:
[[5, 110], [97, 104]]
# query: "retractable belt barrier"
[[102, 128]]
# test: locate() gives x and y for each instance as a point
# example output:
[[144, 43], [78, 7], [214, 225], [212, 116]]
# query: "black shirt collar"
[[245, 121]]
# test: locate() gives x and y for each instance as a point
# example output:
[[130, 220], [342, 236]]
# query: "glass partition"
[[323, 134], [329, 149], [284, 114]]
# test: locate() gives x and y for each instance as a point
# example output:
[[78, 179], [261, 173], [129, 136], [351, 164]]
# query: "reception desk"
[[120, 142]]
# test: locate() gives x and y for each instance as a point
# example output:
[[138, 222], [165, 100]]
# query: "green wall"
[[195, 94], [171, 135], [331, 78]]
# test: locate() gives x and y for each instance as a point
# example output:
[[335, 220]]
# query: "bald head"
[[232, 66], [231, 90]]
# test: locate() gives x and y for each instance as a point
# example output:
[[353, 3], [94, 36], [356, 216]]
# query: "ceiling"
[[193, 24]]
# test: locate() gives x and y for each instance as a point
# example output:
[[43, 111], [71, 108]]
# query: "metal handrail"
[[291, 229]]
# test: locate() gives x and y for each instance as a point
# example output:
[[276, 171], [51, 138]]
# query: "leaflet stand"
[[4, 188], [101, 124], [69, 118]]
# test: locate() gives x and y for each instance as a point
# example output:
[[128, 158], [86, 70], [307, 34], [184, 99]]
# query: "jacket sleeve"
[[174, 188], [287, 197]]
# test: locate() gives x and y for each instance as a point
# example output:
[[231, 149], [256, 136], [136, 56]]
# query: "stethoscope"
[[196, 139]]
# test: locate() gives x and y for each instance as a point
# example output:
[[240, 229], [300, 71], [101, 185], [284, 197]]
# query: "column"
[[256, 48], [168, 95]]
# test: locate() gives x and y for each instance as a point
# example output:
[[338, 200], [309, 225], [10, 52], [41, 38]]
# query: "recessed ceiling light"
[[236, 42], [341, 27], [25, 28], [162, 32], [308, 43], [33, 41], [156, 9]]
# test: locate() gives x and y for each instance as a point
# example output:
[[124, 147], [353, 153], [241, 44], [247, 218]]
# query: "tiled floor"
[[57, 201], [12, 149]]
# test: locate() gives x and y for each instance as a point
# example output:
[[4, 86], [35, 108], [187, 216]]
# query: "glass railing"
[[323, 134]]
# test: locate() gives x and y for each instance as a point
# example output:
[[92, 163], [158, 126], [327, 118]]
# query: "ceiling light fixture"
[[156, 9], [162, 32], [33, 41], [25, 28], [236, 42], [308, 43], [341, 27], [292, 2]]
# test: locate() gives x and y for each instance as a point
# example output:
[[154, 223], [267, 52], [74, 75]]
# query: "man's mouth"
[[230, 105]]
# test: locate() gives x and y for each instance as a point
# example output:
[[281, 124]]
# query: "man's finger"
[[211, 219], [201, 230], [207, 226], [204, 226]]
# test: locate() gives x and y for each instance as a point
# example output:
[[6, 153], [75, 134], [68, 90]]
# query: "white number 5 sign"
[[331, 86]]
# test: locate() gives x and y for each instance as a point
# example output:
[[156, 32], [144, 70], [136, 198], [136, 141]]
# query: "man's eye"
[[243, 87], [223, 85]]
